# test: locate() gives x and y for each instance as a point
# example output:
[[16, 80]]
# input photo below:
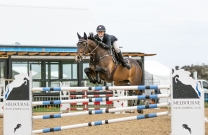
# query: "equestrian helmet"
[[100, 28]]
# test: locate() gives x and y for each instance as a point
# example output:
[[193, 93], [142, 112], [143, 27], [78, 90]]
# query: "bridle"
[[79, 57], [86, 48]]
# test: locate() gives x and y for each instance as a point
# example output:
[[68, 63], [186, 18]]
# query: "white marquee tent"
[[156, 73]]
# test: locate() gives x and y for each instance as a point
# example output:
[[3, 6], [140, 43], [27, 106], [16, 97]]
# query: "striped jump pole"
[[93, 103], [101, 88], [140, 107], [155, 96], [86, 109], [90, 96], [96, 123]]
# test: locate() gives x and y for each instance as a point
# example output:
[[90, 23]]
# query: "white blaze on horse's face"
[[81, 51], [77, 58]]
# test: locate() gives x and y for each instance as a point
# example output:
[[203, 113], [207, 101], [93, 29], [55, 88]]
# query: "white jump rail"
[[155, 96], [96, 123], [99, 88]]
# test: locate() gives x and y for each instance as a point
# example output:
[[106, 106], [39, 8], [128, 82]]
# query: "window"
[[54, 73], [205, 85], [69, 71], [35, 67], [19, 67], [2, 69], [46, 73]]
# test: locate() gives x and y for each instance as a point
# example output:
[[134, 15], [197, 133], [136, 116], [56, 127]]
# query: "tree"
[[202, 70]]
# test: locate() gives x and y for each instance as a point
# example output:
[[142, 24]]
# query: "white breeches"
[[116, 47]]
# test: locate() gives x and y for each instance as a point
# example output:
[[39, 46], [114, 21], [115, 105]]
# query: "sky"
[[177, 31]]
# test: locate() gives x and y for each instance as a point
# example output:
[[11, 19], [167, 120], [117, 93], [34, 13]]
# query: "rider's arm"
[[108, 43]]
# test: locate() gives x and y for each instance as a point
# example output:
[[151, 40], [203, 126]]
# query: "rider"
[[106, 41]]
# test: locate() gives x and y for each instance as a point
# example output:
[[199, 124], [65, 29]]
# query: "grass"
[[206, 104], [46, 109], [49, 108]]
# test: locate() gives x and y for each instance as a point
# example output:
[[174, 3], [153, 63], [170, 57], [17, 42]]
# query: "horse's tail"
[[140, 63]]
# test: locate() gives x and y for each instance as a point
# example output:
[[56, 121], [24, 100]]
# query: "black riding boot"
[[125, 64]]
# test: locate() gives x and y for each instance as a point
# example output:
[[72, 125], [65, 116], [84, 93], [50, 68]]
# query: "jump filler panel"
[[187, 105]]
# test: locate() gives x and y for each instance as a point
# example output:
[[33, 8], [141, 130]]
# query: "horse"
[[103, 66], [17, 127]]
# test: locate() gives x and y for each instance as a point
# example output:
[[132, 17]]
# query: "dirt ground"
[[151, 126]]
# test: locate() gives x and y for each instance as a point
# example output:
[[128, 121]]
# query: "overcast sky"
[[177, 31]]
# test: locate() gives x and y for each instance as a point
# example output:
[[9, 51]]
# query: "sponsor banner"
[[17, 107], [187, 105]]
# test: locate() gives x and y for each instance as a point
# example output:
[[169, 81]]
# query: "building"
[[50, 65]]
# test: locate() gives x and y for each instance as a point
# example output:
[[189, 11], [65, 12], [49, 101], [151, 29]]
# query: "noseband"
[[86, 47]]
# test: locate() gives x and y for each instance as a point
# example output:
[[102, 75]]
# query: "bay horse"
[[104, 66]]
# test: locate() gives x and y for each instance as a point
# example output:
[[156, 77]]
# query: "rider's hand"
[[100, 43], [91, 36]]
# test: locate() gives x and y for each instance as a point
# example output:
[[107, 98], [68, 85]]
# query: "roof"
[[135, 54], [11, 50]]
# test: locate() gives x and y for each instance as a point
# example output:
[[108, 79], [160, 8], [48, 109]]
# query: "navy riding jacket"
[[107, 39]]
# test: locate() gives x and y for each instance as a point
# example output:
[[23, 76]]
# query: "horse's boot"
[[125, 63]]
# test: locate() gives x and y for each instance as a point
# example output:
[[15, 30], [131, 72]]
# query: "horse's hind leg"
[[130, 102], [139, 92], [136, 80]]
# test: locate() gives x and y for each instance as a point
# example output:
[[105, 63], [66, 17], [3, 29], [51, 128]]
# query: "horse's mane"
[[91, 42]]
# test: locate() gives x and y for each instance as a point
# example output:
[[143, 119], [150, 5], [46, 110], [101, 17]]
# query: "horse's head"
[[84, 47]]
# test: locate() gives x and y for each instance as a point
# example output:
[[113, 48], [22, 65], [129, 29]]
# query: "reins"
[[91, 52]]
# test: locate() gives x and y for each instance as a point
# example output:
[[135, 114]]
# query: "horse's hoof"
[[93, 81], [140, 111], [99, 81]]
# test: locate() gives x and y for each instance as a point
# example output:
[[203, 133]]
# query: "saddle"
[[111, 52]]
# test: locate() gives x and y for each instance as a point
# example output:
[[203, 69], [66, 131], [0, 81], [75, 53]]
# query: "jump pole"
[[155, 96], [96, 123], [100, 88], [140, 107]]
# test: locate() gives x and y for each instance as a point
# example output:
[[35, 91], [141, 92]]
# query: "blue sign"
[[38, 49]]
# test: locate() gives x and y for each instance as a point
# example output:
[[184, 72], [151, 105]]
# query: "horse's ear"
[[78, 35], [85, 36]]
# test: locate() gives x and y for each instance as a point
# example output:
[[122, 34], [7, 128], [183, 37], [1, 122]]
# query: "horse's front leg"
[[90, 74], [98, 70]]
